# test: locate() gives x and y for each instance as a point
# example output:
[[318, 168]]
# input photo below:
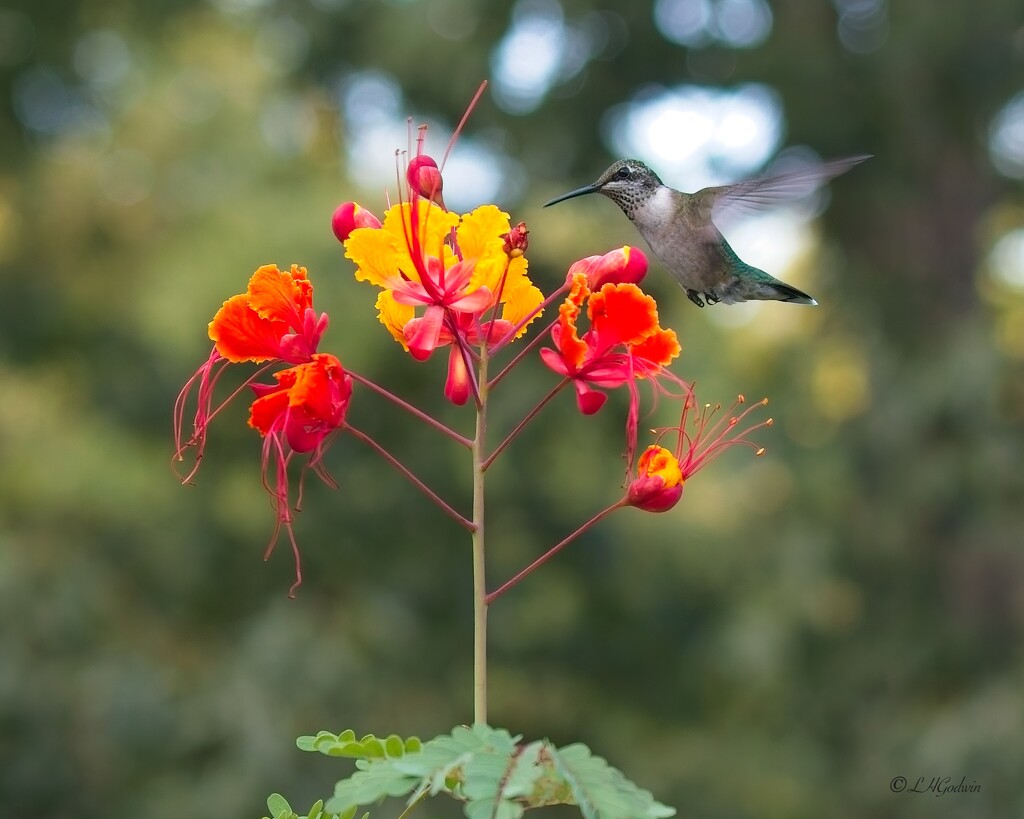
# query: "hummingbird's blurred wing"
[[726, 202]]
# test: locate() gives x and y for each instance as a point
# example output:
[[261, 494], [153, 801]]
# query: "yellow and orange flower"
[[424, 256]]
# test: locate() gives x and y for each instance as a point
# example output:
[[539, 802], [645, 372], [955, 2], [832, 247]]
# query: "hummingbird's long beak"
[[578, 192]]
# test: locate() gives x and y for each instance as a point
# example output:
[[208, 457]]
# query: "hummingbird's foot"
[[694, 296], [711, 297]]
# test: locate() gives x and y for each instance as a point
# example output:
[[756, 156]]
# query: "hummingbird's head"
[[628, 183]]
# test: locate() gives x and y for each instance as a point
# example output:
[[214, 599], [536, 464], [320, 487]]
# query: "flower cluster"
[[273, 322], [459, 281]]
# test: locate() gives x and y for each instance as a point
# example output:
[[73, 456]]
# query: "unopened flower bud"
[[424, 178], [624, 265], [349, 216], [516, 241], [659, 482]]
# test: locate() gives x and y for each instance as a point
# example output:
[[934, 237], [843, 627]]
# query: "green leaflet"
[[601, 791]]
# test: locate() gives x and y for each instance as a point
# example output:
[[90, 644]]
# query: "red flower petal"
[[242, 335], [588, 399], [457, 386], [422, 334], [268, 407], [622, 314], [651, 494], [659, 348], [281, 296]]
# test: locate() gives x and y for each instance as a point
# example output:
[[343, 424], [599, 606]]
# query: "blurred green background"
[[800, 630]]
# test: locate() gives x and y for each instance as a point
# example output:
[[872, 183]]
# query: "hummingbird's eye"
[[623, 173]]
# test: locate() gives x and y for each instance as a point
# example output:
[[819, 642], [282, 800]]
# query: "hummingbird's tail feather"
[[788, 293]]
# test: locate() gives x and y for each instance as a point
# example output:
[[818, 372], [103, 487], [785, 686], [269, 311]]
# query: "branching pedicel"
[[459, 281]]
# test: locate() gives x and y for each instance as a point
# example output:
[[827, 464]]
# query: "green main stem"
[[479, 573]]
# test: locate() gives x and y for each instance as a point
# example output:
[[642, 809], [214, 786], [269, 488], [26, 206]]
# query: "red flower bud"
[[624, 265], [349, 216], [516, 241], [424, 178], [659, 482]]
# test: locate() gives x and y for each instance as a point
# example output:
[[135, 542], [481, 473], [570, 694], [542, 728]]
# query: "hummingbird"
[[681, 231]]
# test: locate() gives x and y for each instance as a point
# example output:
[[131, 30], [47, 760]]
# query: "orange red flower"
[[273, 319], [308, 402], [662, 473], [625, 341]]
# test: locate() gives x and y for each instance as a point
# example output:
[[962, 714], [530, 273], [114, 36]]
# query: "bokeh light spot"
[[863, 25], [1007, 259], [695, 23], [698, 136], [527, 60], [1006, 138]]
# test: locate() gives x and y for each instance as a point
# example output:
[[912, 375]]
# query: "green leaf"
[[488, 768], [279, 807], [315, 811], [601, 791]]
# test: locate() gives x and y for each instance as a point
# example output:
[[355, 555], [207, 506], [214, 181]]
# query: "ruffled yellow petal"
[[481, 237], [487, 272], [394, 316], [520, 295], [516, 278], [378, 255], [480, 230]]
